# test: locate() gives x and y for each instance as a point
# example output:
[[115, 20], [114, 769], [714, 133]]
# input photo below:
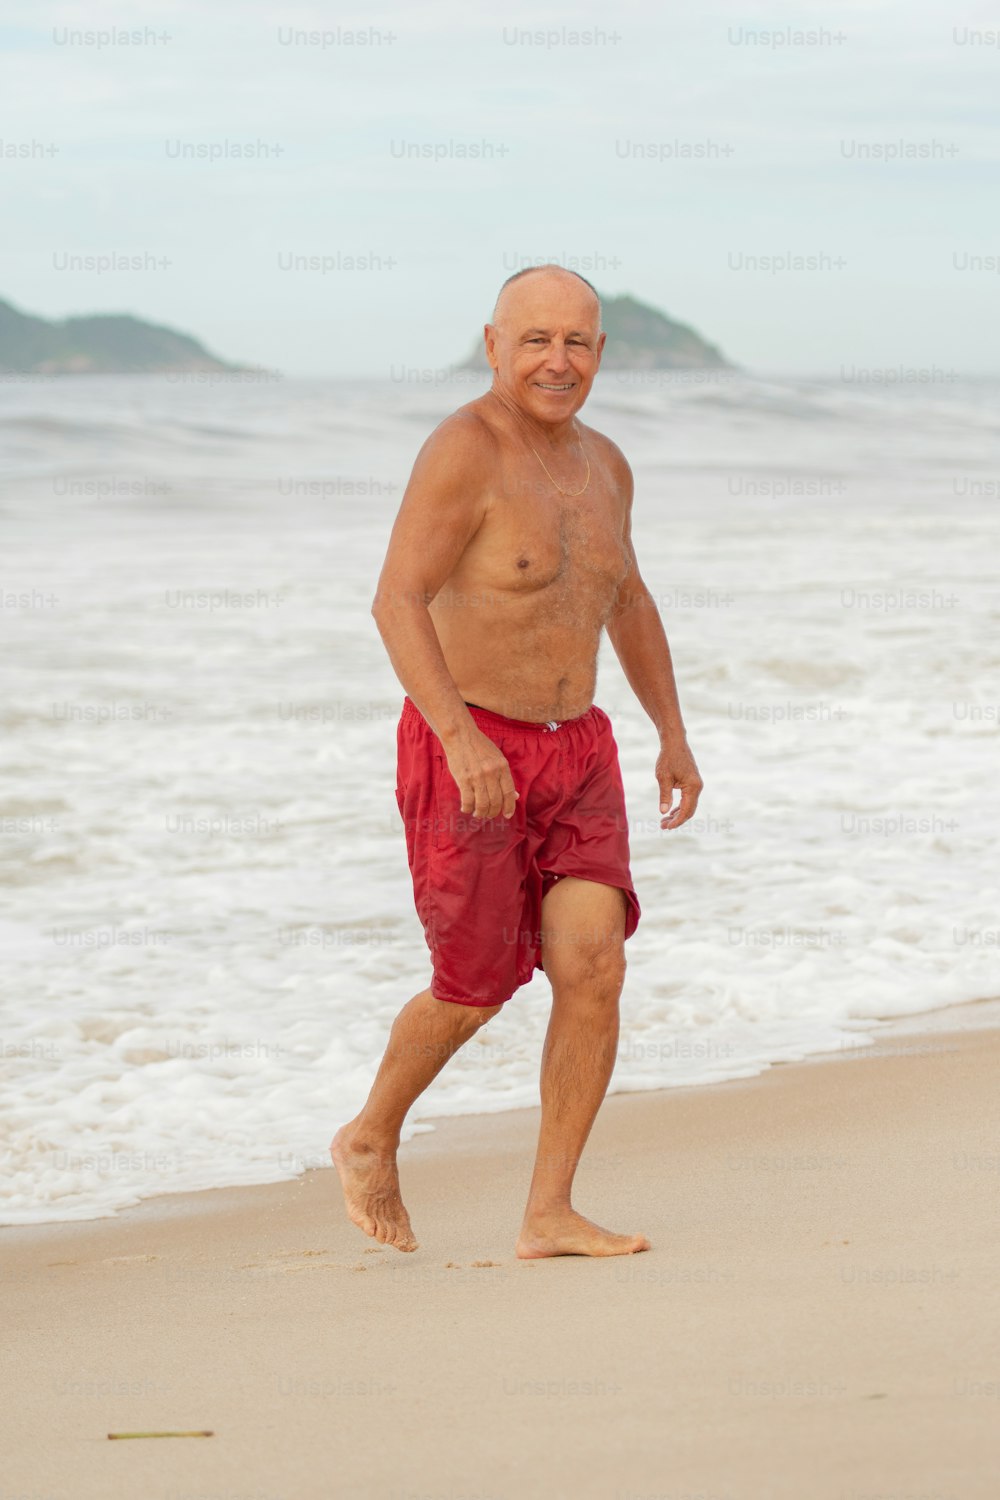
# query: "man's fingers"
[[685, 808], [497, 792], [503, 797], [488, 798], [481, 808], [489, 791], [476, 798], [508, 793], [682, 811], [666, 804]]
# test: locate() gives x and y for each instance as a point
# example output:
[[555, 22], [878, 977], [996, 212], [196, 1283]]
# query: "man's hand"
[[482, 775], [675, 768]]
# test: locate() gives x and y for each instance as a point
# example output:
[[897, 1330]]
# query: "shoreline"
[[971, 1016], [816, 1315]]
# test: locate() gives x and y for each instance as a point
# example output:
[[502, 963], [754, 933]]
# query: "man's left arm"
[[640, 641]]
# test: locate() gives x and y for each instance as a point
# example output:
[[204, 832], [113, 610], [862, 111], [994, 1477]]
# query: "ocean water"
[[207, 922]]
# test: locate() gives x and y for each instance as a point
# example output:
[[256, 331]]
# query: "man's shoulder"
[[458, 457], [609, 453], [465, 433]]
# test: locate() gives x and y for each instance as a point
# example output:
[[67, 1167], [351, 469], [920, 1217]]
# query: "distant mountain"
[[640, 337], [102, 344]]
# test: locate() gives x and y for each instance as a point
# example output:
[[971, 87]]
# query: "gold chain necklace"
[[571, 493]]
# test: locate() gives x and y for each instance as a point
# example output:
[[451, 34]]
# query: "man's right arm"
[[442, 509]]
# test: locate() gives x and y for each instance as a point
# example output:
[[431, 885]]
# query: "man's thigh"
[[583, 934]]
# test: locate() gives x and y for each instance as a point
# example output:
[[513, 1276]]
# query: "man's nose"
[[558, 360]]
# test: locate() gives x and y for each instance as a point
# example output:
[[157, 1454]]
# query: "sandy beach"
[[816, 1320]]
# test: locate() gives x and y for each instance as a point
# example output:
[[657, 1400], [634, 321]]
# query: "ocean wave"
[[209, 924]]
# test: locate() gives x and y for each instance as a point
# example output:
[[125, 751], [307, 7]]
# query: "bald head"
[[527, 280]]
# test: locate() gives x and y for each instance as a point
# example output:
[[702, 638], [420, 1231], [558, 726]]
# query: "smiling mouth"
[[543, 386]]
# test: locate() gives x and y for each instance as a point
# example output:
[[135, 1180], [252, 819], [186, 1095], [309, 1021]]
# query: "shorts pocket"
[[439, 770]]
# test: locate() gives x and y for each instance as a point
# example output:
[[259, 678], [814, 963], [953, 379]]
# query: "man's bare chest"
[[533, 538]]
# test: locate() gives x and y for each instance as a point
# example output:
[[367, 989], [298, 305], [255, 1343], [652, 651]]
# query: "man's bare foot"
[[569, 1233], [371, 1191]]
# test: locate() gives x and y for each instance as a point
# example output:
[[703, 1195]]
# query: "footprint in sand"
[[290, 1262]]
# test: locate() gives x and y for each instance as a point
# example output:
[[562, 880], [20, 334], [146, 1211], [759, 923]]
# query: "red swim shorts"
[[478, 883]]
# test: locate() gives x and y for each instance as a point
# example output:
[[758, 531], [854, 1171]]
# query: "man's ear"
[[490, 337], [600, 348]]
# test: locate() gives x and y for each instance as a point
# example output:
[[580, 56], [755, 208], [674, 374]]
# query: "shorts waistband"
[[486, 716]]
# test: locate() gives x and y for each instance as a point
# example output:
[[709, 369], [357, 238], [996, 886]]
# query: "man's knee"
[[606, 971], [592, 970]]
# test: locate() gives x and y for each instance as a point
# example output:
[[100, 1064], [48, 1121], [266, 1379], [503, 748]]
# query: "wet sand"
[[817, 1319]]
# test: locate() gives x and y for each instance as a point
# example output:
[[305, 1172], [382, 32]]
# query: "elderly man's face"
[[545, 345]]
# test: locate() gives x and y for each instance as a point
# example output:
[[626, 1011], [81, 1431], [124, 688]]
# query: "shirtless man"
[[511, 553]]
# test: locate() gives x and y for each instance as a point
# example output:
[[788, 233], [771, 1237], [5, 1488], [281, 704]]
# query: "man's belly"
[[525, 669]]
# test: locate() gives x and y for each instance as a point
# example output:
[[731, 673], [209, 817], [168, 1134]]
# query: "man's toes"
[[361, 1220], [637, 1243], [399, 1234]]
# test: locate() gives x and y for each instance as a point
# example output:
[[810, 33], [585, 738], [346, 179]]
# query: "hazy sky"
[[669, 154]]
